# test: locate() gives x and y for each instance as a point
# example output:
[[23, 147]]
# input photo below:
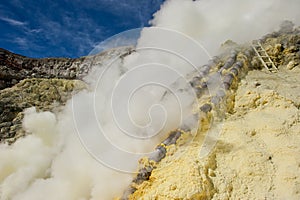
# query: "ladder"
[[263, 56]]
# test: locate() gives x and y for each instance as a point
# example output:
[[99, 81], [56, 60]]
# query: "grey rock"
[[172, 138], [206, 108], [158, 154]]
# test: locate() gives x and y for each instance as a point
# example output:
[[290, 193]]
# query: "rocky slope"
[[257, 154], [258, 144], [44, 83], [44, 94]]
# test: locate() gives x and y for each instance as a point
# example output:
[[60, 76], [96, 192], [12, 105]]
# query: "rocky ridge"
[[14, 67]]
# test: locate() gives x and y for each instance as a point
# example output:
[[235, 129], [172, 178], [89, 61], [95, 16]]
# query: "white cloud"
[[13, 22], [22, 42], [34, 30]]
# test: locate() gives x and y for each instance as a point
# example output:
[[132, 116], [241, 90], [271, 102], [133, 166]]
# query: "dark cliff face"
[[14, 67]]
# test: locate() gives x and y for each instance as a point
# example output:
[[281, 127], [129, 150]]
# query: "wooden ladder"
[[263, 56]]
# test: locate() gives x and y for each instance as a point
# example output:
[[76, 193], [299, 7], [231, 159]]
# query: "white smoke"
[[212, 22], [52, 162]]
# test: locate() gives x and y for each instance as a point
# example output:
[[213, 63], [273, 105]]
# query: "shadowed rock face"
[[14, 67]]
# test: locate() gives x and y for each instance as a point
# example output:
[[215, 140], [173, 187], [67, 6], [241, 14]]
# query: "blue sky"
[[68, 28]]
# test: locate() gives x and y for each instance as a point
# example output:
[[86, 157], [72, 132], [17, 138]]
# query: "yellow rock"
[[257, 155]]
